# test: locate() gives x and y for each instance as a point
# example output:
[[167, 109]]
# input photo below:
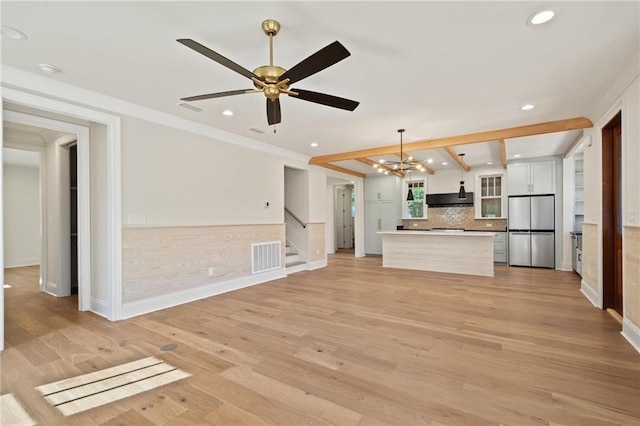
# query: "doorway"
[[344, 214], [612, 214], [62, 145]]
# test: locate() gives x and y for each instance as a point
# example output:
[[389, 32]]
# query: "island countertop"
[[456, 252], [453, 233]]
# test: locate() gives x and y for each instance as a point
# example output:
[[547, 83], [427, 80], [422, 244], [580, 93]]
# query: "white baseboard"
[[317, 264], [99, 307], [19, 263], [589, 293], [52, 288], [178, 298], [631, 332], [298, 268]]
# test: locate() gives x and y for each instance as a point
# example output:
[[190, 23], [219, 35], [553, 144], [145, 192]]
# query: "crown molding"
[[30, 82]]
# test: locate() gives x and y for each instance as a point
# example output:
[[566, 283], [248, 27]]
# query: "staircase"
[[293, 260]]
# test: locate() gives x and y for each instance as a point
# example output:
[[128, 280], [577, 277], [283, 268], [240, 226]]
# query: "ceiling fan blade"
[[324, 99], [273, 111], [219, 95], [217, 57], [323, 58]]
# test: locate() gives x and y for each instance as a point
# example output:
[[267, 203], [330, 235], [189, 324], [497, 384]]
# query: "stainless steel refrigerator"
[[532, 231]]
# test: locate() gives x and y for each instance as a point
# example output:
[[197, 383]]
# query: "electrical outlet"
[[211, 271], [415, 225], [489, 225], [632, 216]]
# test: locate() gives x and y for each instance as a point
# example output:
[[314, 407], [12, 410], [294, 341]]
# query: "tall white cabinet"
[[379, 211], [531, 177]]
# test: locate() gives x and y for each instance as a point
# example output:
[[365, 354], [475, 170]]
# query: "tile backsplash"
[[455, 217]]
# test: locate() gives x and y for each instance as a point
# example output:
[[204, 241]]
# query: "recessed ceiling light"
[[6, 286], [445, 163], [227, 112], [541, 17], [516, 155], [12, 33], [314, 144], [429, 160], [527, 107], [381, 161], [489, 163], [49, 69]]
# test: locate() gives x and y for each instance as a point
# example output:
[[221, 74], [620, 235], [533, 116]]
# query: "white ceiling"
[[437, 69]]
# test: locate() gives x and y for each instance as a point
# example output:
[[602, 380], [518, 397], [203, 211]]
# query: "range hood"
[[448, 200]]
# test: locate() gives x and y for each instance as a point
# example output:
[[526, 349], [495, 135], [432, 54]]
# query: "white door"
[[518, 179], [371, 226], [543, 177], [341, 234]]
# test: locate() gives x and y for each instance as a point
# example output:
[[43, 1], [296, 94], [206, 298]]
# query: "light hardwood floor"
[[350, 344]]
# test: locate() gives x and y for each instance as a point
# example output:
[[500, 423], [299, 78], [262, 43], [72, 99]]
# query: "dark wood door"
[[617, 208], [612, 213]]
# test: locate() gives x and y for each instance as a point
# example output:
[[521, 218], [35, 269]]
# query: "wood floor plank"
[[353, 343]]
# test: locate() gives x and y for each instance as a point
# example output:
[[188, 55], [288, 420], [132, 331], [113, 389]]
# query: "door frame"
[[81, 135], [112, 307], [611, 188]]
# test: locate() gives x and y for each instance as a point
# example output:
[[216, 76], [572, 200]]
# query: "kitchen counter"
[[456, 252]]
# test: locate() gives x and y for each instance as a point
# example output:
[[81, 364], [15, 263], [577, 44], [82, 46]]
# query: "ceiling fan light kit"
[[272, 80]]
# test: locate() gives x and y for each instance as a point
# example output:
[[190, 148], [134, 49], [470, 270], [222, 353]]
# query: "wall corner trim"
[[178, 298], [589, 293], [632, 333]]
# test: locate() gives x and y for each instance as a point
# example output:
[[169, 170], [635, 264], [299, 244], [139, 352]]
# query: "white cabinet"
[[578, 209], [380, 188], [534, 177], [378, 216], [500, 247]]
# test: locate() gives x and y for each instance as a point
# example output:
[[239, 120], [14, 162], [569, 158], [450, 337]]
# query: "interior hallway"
[[353, 343]]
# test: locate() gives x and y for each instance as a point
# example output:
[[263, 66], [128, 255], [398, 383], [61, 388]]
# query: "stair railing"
[[304, 225]]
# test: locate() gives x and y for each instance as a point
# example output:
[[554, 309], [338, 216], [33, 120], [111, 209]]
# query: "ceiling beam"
[[342, 170], [503, 153], [456, 157], [426, 168], [492, 135], [380, 166]]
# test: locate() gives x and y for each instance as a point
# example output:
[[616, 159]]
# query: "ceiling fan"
[[273, 80]]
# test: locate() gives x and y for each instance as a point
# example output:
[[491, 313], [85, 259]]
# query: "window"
[[491, 196], [414, 209]]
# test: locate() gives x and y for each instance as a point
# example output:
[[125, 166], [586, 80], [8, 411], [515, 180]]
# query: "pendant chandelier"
[[405, 165], [462, 193]]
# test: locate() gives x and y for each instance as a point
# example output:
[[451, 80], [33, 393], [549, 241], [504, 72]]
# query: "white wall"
[[297, 192], [172, 177], [22, 240]]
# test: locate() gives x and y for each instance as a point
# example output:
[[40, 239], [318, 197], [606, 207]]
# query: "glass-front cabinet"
[[490, 199]]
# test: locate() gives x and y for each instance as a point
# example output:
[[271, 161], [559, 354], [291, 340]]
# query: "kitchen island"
[[439, 251]]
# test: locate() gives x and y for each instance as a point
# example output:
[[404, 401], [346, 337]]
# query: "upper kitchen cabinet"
[[531, 177], [380, 188]]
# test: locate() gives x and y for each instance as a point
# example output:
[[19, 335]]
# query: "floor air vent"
[[265, 256]]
